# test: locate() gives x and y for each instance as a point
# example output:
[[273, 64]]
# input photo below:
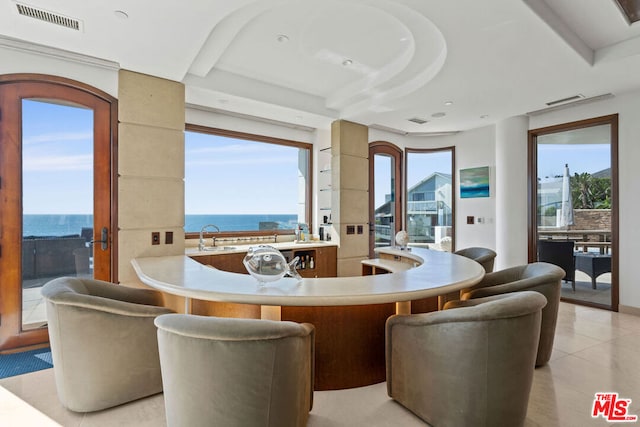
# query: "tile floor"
[[594, 351], [584, 292], [34, 314]]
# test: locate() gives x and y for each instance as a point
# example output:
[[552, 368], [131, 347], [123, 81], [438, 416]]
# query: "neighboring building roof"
[[446, 176], [385, 208]]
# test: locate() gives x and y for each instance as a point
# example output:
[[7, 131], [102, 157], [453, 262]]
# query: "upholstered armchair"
[[236, 372], [468, 366], [103, 342], [483, 256], [540, 277]]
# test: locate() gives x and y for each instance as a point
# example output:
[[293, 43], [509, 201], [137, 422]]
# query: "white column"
[[511, 192]]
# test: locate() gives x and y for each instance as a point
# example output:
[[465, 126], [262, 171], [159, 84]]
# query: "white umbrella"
[[566, 207]]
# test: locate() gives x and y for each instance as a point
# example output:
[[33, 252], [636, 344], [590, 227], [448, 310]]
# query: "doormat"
[[25, 362]]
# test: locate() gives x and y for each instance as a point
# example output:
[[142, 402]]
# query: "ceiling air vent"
[[418, 120], [46, 16], [563, 100]]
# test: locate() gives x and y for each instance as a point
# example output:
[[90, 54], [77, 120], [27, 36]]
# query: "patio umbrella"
[[566, 207]]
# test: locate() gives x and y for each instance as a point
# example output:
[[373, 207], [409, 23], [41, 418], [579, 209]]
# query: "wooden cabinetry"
[[227, 262], [324, 261]]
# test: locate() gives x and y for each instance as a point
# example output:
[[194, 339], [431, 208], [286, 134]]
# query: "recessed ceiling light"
[[347, 62], [121, 14], [438, 115], [448, 103], [282, 38]]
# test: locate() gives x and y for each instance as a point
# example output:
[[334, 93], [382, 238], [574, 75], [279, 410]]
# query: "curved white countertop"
[[439, 273]]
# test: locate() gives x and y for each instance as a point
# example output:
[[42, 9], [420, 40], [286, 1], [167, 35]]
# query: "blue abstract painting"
[[474, 182]]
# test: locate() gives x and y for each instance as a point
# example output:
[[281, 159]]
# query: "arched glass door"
[[56, 185], [385, 194]]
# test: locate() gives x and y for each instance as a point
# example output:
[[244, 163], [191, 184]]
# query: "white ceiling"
[[493, 58]]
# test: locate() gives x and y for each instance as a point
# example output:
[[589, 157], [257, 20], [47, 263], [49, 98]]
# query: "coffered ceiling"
[[455, 65]]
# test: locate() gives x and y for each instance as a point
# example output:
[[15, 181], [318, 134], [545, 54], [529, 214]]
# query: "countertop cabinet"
[[226, 262], [324, 261]]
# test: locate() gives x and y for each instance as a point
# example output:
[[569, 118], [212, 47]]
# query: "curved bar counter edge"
[[349, 313]]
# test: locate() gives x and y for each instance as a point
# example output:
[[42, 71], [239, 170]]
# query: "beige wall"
[[350, 193], [151, 113]]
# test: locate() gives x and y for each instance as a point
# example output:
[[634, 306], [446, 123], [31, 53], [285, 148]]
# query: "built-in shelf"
[[324, 184]]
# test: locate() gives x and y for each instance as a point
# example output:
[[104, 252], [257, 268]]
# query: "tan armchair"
[[470, 366], [484, 256], [103, 342], [540, 277], [235, 372]]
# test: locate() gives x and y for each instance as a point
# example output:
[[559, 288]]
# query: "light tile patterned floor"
[[594, 351]]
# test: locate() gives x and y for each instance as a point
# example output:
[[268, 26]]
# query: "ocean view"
[[65, 225]]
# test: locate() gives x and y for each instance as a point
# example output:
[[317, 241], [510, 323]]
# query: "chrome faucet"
[[201, 243]]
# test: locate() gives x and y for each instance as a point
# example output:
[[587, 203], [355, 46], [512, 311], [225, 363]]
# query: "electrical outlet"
[[155, 237], [470, 220], [168, 237]]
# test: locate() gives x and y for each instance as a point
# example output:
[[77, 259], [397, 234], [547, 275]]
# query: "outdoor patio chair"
[[560, 253]]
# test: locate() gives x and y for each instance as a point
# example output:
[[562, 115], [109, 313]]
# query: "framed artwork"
[[474, 182]]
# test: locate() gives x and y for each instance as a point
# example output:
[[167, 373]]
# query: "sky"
[[57, 159], [250, 177], [233, 176], [581, 158]]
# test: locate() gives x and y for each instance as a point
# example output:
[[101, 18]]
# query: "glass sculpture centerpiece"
[[267, 264], [402, 239]]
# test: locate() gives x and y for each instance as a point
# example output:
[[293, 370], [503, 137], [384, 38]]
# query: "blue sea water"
[[65, 225], [55, 225], [238, 222]]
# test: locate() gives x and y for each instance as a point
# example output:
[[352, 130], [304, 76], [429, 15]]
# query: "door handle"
[[104, 239]]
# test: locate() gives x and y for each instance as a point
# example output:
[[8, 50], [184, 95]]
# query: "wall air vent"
[[50, 17], [418, 120]]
